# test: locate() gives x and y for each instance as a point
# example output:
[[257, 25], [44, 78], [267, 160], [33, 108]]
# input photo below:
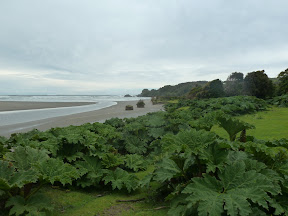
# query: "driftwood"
[[134, 200], [160, 207]]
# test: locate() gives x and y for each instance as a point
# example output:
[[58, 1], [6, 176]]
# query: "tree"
[[145, 93], [213, 89], [193, 94], [234, 84], [236, 76], [140, 104], [258, 84], [283, 82]]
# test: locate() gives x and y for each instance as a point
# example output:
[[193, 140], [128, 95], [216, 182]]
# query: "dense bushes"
[[281, 101], [238, 105], [213, 89], [258, 84], [283, 82]]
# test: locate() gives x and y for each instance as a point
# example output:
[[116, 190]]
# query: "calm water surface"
[[22, 116]]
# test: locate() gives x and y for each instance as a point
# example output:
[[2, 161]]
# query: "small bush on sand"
[[140, 104], [129, 107]]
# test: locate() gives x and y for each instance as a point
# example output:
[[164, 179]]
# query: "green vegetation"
[[258, 84], [212, 89], [97, 202], [129, 107], [163, 100], [164, 163], [234, 84], [172, 91], [140, 104], [255, 83], [269, 125], [232, 125], [280, 101], [283, 82]]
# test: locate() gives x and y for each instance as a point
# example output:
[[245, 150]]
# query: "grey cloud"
[[142, 41]]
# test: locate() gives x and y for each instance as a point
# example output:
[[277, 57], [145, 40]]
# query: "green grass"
[[101, 202], [183, 108], [270, 125], [173, 101], [80, 202]]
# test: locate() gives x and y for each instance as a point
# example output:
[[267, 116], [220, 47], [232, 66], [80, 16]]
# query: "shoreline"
[[100, 115], [6, 106]]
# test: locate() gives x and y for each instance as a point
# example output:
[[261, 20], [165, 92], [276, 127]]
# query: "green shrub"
[[129, 107], [140, 104]]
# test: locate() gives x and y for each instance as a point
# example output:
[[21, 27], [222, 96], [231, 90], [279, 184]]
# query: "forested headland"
[[255, 83]]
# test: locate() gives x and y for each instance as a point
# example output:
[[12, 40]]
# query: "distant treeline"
[[255, 83], [172, 91]]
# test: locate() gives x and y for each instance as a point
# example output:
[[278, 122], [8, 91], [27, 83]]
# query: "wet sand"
[[16, 105], [80, 118]]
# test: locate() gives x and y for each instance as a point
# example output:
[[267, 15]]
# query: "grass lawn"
[[103, 202], [86, 203], [270, 125]]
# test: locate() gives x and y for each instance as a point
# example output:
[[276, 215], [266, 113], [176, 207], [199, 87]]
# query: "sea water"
[[22, 116]]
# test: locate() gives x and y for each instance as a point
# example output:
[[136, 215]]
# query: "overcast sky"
[[123, 46]]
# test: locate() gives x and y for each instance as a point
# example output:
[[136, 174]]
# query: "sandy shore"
[[16, 105], [78, 119]]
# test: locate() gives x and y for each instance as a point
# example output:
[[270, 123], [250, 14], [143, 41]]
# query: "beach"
[[101, 115], [16, 105]]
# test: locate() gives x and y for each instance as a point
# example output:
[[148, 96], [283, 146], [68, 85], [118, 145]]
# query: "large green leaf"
[[232, 125], [92, 167], [156, 119], [3, 147], [112, 160], [121, 179], [156, 132], [55, 170], [167, 170], [273, 156], [10, 177], [188, 141], [135, 145], [38, 204], [6, 173], [231, 192], [179, 207], [280, 203], [21, 178], [24, 158], [145, 182], [134, 127], [75, 141], [215, 158], [209, 200], [44, 140], [204, 123], [135, 162]]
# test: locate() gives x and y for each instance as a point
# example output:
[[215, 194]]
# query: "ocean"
[[22, 116]]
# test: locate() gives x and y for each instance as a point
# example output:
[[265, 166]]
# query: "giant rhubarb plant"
[[236, 191], [25, 172], [232, 125]]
